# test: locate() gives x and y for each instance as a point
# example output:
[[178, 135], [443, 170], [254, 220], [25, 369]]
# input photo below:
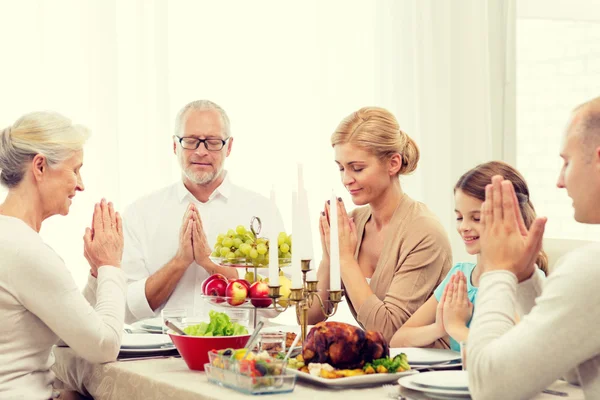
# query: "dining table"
[[170, 378]]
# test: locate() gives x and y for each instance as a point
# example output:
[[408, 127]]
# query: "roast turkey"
[[343, 346]]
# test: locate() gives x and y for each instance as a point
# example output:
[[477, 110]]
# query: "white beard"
[[203, 178]]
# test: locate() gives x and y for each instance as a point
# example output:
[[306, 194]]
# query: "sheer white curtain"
[[448, 73], [287, 73], [103, 64]]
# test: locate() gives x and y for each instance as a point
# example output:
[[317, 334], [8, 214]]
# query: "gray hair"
[[47, 133], [201, 105]]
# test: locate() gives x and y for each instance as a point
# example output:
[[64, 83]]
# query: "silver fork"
[[392, 393]]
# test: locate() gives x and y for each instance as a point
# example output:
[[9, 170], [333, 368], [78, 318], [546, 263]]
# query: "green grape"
[[227, 242], [250, 235], [261, 240], [231, 232], [281, 238], [261, 259], [286, 255], [238, 253], [220, 238], [240, 229], [245, 248], [250, 242], [284, 248], [214, 254], [261, 248], [218, 247], [230, 256], [253, 253], [289, 240], [237, 243], [224, 251]]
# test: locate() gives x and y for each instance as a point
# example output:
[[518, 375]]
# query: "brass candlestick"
[[304, 297]]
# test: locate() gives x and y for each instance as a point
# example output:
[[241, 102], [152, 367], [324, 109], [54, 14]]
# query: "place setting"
[[427, 359], [439, 384], [150, 325], [143, 346]]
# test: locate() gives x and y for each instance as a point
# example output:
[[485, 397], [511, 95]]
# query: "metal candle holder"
[[304, 297]]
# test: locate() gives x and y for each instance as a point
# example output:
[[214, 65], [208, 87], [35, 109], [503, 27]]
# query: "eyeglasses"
[[192, 143]]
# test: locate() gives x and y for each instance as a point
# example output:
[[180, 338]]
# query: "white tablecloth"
[[170, 378]]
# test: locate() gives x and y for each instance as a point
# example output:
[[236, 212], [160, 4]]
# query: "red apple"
[[236, 293], [243, 282], [216, 287], [210, 278], [259, 294]]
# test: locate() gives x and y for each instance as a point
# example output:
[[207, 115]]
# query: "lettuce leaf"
[[219, 325]]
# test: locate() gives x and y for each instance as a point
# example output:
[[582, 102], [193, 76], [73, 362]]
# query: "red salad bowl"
[[195, 349]]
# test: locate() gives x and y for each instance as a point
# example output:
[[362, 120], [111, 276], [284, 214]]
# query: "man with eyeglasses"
[[166, 259]]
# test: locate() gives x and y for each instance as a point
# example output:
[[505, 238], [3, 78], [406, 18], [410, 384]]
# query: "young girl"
[[448, 312]]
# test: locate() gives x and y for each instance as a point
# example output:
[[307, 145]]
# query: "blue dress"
[[467, 269]]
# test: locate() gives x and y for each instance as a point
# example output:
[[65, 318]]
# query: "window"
[[558, 68]]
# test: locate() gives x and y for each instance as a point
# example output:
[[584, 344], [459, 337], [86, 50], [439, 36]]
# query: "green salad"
[[219, 325]]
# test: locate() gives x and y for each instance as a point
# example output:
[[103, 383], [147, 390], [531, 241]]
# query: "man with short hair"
[[559, 335], [166, 259]]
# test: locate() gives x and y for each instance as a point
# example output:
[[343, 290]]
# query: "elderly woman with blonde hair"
[[41, 156]]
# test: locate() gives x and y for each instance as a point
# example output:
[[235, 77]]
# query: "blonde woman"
[[393, 250], [41, 155]]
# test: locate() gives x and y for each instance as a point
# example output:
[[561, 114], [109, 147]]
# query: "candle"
[[296, 268], [299, 238], [334, 246], [273, 245], [307, 248]]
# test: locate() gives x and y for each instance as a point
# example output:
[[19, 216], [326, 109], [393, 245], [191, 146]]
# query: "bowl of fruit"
[[200, 339], [243, 248], [242, 293]]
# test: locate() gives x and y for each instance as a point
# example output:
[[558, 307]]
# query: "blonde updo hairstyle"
[[376, 130], [47, 133]]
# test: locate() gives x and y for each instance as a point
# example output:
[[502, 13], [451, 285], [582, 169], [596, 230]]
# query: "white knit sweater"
[[40, 303], [559, 336]]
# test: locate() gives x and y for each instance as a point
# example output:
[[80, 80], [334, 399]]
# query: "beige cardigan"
[[416, 257]]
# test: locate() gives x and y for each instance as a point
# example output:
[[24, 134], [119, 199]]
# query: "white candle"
[[296, 268], [334, 246], [307, 248], [273, 245], [299, 238]]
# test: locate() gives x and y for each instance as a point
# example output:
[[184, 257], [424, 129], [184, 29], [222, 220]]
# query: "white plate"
[[144, 340], [407, 382], [450, 365], [451, 380], [352, 381], [162, 349], [152, 325], [421, 356]]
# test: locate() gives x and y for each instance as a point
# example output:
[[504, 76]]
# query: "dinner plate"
[[351, 381], [419, 356], [152, 325], [144, 341], [451, 380], [437, 367], [163, 349], [407, 382]]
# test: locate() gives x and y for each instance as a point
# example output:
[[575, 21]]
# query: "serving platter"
[[352, 381]]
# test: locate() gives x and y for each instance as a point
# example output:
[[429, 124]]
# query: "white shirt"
[[152, 226], [557, 338], [40, 303]]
